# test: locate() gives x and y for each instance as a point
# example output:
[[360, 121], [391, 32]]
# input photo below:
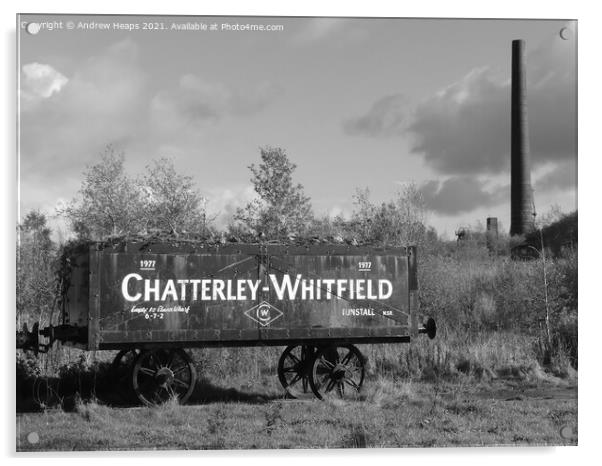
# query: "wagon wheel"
[[125, 357], [337, 369], [294, 369], [161, 374], [121, 369]]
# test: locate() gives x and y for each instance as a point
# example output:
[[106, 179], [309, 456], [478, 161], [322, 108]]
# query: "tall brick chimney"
[[522, 214]]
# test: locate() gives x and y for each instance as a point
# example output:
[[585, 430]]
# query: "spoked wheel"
[[162, 374], [337, 371], [294, 370], [121, 370]]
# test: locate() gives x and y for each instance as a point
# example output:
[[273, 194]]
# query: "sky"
[[356, 103]]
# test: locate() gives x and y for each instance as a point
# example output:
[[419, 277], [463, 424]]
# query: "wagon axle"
[[164, 377]]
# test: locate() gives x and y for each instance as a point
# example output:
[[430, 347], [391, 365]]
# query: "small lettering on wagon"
[[358, 311], [158, 312]]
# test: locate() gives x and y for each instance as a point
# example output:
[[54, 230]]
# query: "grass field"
[[389, 414]]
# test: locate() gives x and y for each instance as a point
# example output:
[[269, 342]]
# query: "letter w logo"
[[264, 313]]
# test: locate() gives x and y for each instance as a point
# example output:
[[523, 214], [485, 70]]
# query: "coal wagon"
[[151, 300]]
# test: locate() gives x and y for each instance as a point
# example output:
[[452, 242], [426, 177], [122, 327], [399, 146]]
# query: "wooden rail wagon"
[[150, 300]]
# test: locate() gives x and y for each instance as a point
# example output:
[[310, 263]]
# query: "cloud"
[[562, 176], [40, 81], [101, 102], [223, 203], [339, 211], [197, 101], [462, 129], [465, 127], [460, 194], [387, 117]]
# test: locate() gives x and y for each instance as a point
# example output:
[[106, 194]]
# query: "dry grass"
[[389, 415]]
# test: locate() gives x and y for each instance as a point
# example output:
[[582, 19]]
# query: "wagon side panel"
[[372, 302], [138, 309]]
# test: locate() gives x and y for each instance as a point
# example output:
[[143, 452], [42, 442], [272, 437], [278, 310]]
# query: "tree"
[[171, 201], [35, 273], [282, 207], [109, 202], [400, 221]]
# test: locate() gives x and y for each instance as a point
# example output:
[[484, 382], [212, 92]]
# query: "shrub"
[[486, 294]]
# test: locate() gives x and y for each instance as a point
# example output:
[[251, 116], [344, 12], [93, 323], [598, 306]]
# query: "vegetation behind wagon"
[[497, 316]]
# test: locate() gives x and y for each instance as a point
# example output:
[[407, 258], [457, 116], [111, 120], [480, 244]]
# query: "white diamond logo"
[[264, 313]]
